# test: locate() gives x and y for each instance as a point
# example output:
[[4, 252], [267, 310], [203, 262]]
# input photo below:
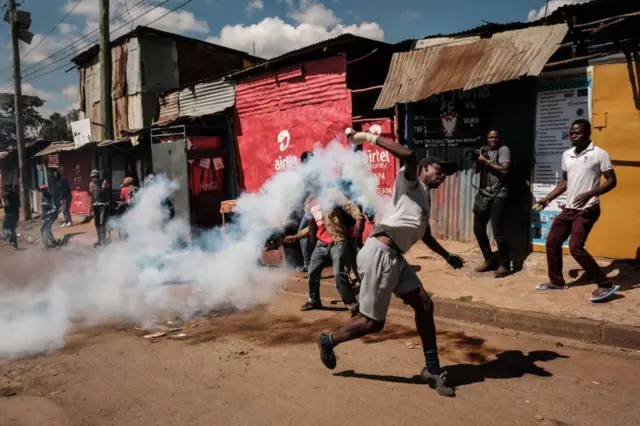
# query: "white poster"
[[81, 130], [562, 98]]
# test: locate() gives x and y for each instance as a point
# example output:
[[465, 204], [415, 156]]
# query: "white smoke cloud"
[[130, 280]]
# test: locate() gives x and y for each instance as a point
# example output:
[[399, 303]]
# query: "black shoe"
[[327, 356], [311, 306], [437, 382]]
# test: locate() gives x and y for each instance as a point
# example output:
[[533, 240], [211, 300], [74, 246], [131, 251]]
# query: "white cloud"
[[535, 14], [253, 6], [313, 22], [71, 92], [316, 15], [66, 29], [30, 90], [180, 21]]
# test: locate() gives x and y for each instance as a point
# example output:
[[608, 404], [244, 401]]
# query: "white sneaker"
[[64, 225], [69, 224]]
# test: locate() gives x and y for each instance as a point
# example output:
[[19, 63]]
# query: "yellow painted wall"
[[617, 233]]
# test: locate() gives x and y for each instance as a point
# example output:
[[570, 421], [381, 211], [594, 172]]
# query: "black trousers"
[[100, 217], [496, 213]]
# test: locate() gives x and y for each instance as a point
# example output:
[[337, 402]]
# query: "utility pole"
[[105, 73], [23, 171]]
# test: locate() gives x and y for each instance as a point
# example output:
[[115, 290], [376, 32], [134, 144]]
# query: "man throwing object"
[[381, 264]]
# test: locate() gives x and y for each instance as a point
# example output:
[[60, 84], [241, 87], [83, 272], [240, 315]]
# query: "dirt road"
[[262, 368]]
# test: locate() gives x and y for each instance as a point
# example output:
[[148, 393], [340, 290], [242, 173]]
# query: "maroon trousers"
[[575, 224]]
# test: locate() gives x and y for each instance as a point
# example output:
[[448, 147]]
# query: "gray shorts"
[[382, 271]]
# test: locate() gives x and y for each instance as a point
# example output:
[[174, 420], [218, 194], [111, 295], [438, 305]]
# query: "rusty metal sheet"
[[120, 115], [134, 77], [134, 112], [207, 98], [419, 74], [56, 147], [168, 107], [81, 89], [96, 128], [119, 71]]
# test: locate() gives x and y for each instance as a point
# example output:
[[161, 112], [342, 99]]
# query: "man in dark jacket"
[[11, 203], [63, 197], [100, 199], [49, 214]]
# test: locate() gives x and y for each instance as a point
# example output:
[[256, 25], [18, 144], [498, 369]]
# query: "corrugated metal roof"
[[323, 81], [56, 147], [419, 74], [195, 101]]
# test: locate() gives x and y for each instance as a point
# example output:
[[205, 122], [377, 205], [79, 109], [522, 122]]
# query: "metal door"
[[170, 158]]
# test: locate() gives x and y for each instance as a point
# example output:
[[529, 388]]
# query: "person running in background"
[[50, 213], [332, 241], [11, 202], [306, 245], [100, 199], [582, 167], [63, 197], [383, 268]]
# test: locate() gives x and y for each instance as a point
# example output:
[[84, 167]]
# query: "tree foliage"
[[32, 118], [57, 127]]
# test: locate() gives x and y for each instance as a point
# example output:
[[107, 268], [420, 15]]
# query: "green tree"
[[32, 119], [56, 128]]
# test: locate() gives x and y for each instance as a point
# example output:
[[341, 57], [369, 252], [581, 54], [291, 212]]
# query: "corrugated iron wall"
[[513, 113]]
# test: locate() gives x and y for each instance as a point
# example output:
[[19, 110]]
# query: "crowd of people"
[[378, 266], [381, 267]]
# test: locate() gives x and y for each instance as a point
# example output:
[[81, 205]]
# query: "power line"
[[74, 43], [73, 52], [52, 29], [157, 19]]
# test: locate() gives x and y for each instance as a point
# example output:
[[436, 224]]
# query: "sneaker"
[[302, 269], [437, 382], [64, 225], [309, 306], [327, 356], [69, 224]]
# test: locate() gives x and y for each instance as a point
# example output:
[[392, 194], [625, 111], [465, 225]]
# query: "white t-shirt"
[[410, 218], [583, 172]]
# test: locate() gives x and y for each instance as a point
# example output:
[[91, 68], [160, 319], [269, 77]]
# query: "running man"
[[383, 268]]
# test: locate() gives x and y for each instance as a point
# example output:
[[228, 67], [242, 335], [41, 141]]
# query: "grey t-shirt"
[[492, 184], [410, 218]]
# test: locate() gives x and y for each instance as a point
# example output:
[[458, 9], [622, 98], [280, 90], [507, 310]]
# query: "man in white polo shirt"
[[582, 167], [382, 267]]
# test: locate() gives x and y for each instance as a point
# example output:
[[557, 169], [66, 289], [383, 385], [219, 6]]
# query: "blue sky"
[[275, 26]]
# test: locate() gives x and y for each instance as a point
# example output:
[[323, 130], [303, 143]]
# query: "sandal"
[[549, 286], [603, 293]]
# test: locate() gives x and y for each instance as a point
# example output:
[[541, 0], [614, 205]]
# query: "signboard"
[[452, 119], [81, 130], [273, 142], [562, 99], [52, 160], [383, 164]]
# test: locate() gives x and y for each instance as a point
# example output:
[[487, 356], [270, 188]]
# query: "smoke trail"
[[127, 280]]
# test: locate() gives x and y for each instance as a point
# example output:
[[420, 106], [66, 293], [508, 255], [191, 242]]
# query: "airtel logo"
[[376, 129], [284, 137]]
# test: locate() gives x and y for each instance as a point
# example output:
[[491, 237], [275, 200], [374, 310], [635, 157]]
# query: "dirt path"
[[262, 368]]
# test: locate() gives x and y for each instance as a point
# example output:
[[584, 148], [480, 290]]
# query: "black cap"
[[449, 166]]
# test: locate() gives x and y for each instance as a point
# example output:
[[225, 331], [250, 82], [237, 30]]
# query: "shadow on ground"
[[628, 277], [506, 365]]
